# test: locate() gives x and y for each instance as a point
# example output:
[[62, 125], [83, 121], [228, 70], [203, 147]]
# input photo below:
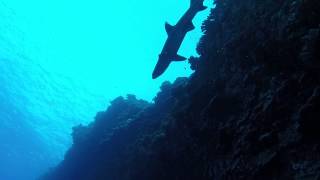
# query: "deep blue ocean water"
[[63, 61]]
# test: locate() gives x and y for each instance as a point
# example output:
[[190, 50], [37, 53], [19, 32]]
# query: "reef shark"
[[176, 34]]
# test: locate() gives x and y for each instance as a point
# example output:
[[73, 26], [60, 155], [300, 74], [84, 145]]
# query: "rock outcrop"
[[251, 110]]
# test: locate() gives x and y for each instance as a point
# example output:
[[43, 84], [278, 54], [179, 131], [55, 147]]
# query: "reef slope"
[[251, 110]]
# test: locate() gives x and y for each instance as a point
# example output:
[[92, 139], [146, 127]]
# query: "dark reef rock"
[[251, 110]]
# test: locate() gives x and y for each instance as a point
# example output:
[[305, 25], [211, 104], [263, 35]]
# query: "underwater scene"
[[159, 90]]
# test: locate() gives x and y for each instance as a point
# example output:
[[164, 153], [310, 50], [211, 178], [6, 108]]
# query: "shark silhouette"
[[176, 34]]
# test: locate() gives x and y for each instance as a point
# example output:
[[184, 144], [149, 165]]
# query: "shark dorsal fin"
[[169, 28], [178, 58]]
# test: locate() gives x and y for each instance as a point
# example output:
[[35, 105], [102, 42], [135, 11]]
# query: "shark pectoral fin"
[[190, 26], [203, 8], [179, 58], [169, 28]]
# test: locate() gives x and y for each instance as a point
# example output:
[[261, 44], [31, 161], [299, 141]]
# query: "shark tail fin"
[[198, 4], [178, 58]]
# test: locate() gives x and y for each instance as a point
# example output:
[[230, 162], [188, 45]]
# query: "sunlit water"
[[62, 61]]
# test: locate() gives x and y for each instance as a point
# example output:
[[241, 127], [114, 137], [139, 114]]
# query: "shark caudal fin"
[[198, 4]]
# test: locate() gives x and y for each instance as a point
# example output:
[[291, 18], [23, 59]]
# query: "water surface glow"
[[62, 61]]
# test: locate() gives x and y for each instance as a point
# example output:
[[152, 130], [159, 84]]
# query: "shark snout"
[[161, 66], [154, 76], [157, 72]]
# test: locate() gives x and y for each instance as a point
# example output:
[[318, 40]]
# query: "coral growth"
[[251, 110]]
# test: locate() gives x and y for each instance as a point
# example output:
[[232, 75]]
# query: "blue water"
[[63, 61]]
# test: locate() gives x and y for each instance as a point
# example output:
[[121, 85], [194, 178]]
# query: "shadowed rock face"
[[251, 110]]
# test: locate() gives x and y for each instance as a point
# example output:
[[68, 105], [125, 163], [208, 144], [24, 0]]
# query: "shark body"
[[176, 34]]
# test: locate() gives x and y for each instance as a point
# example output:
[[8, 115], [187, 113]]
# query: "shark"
[[176, 35]]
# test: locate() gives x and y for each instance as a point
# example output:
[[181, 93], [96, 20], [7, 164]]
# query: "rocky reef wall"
[[251, 110]]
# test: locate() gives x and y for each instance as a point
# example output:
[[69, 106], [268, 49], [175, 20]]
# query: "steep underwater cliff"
[[251, 110]]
